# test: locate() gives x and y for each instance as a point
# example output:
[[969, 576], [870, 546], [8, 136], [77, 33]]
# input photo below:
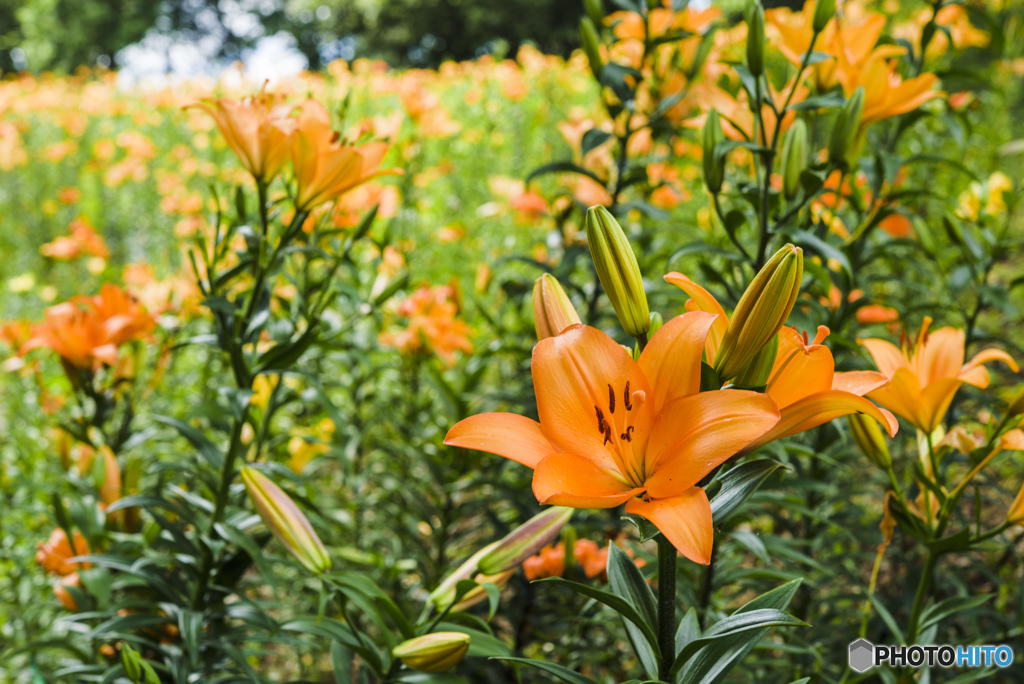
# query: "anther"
[[625, 397], [611, 399], [601, 426], [607, 434], [627, 434]]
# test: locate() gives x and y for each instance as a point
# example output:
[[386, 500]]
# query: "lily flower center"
[[617, 429]]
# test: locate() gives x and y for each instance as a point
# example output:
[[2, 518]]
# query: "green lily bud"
[[286, 521], [445, 594], [823, 13], [714, 163], [618, 270], [868, 435], [433, 652], [1016, 406], [569, 547], [594, 10], [592, 46], [553, 312], [525, 541], [757, 372], [656, 322], [794, 158], [755, 38], [137, 668], [761, 311], [844, 132]]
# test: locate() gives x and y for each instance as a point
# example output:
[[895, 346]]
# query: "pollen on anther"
[[625, 397], [611, 399]]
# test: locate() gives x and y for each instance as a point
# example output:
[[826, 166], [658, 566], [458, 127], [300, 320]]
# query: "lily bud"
[[618, 271], [1015, 516], [433, 652], [286, 521], [137, 668], [844, 133], [794, 158], [823, 13], [755, 38], [525, 541], [761, 311], [1016, 406], [757, 372], [869, 437], [594, 10], [656, 322], [553, 312], [445, 594], [591, 46], [714, 164]]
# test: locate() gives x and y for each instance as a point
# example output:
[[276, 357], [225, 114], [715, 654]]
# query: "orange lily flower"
[[257, 130], [926, 373], [76, 334], [847, 43], [325, 168], [55, 553], [803, 382], [886, 94], [613, 430]]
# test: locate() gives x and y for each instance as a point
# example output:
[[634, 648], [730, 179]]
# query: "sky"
[[159, 59]]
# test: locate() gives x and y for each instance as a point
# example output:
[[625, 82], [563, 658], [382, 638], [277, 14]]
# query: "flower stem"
[[666, 606], [923, 588]]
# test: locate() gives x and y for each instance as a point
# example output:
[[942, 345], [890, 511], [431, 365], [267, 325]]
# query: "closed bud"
[[591, 46], [286, 521], [844, 132], [1015, 516], [823, 13], [433, 652], [553, 312], [618, 271], [656, 322], [137, 668], [569, 547], [761, 311], [868, 435], [525, 541], [794, 158], [755, 38], [1016, 406], [594, 10], [714, 163], [757, 372], [446, 592]]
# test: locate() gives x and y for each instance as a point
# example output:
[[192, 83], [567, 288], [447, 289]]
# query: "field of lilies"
[[691, 358]]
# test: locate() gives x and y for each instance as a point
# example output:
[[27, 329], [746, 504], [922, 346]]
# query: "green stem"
[[923, 588], [666, 606]]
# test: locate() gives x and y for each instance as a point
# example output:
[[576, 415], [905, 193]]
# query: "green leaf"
[[617, 603], [887, 618], [562, 167], [196, 438], [645, 527], [688, 630], [593, 139], [341, 663], [563, 673], [944, 609], [627, 582], [736, 624], [729, 491], [712, 663]]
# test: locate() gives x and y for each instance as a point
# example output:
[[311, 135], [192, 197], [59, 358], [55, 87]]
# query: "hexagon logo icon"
[[862, 655]]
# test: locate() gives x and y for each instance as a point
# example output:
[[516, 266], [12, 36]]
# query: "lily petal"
[[935, 401], [505, 434], [685, 520], [969, 373], [695, 434], [940, 356], [902, 396], [820, 408], [800, 370], [887, 356], [580, 377], [859, 382], [705, 301], [562, 479], [671, 359]]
